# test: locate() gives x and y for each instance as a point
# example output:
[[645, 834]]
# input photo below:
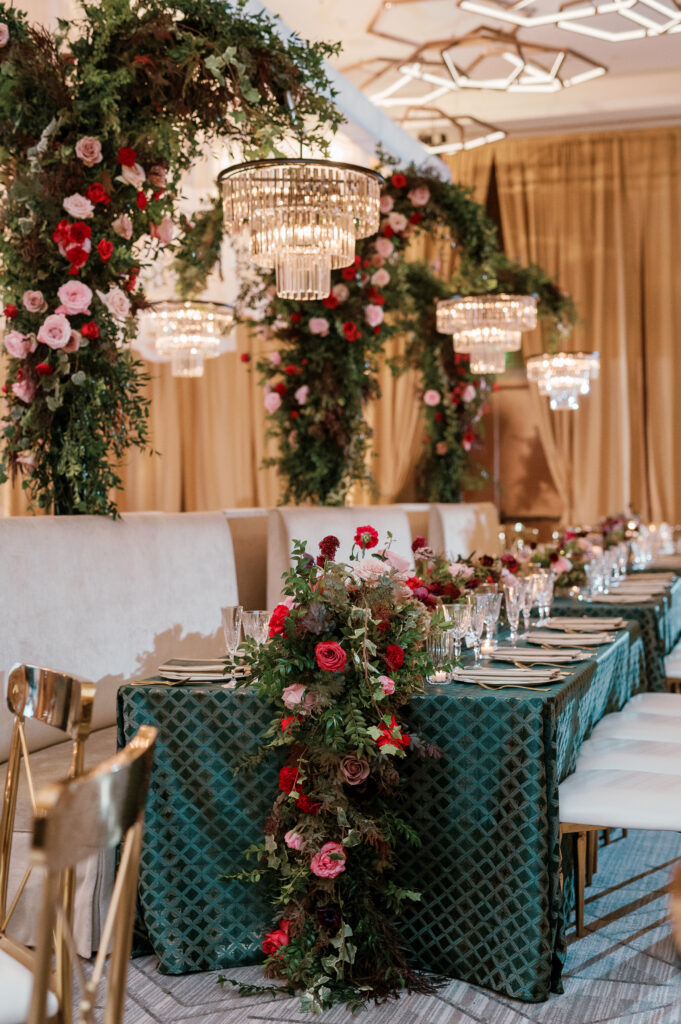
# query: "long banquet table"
[[492, 911]]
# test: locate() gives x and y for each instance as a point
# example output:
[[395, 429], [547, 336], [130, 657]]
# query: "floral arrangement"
[[566, 558], [91, 179], [345, 654], [616, 529], [438, 580]]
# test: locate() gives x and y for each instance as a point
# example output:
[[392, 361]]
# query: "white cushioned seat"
[[16, 986], [630, 755], [621, 799], [459, 530], [655, 704], [640, 726], [311, 524]]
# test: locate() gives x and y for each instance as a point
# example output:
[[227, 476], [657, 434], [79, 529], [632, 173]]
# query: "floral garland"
[[346, 652], [92, 177]]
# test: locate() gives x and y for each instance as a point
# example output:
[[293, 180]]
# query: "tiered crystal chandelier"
[[185, 333], [564, 377], [487, 326], [303, 217]]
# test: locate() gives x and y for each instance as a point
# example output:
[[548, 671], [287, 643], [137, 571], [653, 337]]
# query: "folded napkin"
[[507, 676], [540, 636], [197, 670], [584, 625], [623, 598], [532, 657], [641, 586], [668, 562], [656, 577]]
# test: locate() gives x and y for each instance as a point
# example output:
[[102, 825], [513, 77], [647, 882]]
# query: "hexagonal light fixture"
[[614, 21]]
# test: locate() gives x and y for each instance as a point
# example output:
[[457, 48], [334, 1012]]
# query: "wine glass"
[[514, 595], [256, 625], [527, 600], [492, 612], [545, 599], [477, 623], [231, 627], [459, 615]]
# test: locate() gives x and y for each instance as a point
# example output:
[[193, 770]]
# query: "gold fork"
[[513, 686]]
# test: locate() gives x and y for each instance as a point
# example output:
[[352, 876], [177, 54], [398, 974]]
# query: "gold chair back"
[[75, 820]]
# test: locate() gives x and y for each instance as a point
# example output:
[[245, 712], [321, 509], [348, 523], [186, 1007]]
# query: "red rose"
[[134, 274], [288, 777], [351, 331], [388, 231], [280, 388], [141, 200], [294, 414], [105, 249], [383, 626], [438, 417], [398, 180], [127, 156], [349, 273], [90, 330], [387, 739], [296, 318], [394, 657], [415, 582], [44, 369], [78, 232], [307, 806], [61, 232], [330, 302], [245, 357], [416, 218], [472, 583], [278, 619], [291, 370], [10, 311], [285, 722], [366, 537], [330, 656], [97, 194], [418, 542], [274, 941], [157, 194]]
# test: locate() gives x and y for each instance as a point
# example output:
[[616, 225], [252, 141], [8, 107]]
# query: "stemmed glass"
[[256, 625], [527, 600], [477, 622], [514, 596], [545, 598], [492, 612], [460, 617], [439, 647], [231, 627]]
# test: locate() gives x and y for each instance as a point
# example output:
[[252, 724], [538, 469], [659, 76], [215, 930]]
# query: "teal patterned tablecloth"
[[492, 912]]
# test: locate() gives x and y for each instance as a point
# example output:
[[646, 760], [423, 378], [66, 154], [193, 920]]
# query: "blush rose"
[[329, 861]]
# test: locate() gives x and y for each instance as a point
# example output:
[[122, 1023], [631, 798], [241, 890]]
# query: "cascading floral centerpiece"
[[346, 652], [438, 580]]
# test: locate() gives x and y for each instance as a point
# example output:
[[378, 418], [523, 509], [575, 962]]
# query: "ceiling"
[[641, 86]]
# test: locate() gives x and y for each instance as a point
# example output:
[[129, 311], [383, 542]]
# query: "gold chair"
[[40, 695], [75, 820]]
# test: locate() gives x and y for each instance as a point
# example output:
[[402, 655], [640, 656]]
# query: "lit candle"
[[440, 676], [487, 647]]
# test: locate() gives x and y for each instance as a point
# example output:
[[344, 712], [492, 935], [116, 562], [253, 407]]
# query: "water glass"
[[545, 598], [459, 615], [477, 623], [439, 648], [231, 627], [256, 625], [514, 597], [492, 612]]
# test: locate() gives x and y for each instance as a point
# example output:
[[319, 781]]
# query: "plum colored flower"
[[330, 656], [380, 278], [397, 221], [163, 231], [468, 394], [55, 331], [274, 941], [301, 394], [441, 448], [24, 390], [272, 402], [75, 298], [418, 543], [387, 685], [275, 358], [127, 157], [17, 344], [293, 840], [341, 292], [157, 176], [419, 195], [133, 174], [355, 770], [78, 206], [4, 34], [432, 397], [366, 537], [34, 301], [329, 862], [89, 150], [394, 656], [384, 247], [373, 315], [123, 226], [117, 302], [319, 325], [386, 204], [398, 180], [328, 546]]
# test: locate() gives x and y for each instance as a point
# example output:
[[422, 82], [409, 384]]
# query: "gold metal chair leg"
[[580, 872]]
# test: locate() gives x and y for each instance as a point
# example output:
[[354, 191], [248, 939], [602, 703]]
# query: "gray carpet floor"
[[625, 969]]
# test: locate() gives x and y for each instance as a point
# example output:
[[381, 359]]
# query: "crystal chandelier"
[[185, 333], [303, 217], [486, 359], [487, 326], [564, 377]]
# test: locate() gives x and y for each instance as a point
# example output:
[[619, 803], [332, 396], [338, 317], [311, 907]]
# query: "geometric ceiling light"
[[487, 326], [303, 217], [613, 21], [564, 377], [185, 333], [441, 132]]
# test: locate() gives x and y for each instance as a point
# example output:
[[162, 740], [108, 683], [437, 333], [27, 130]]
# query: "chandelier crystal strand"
[[487, 326], [486, 359], [185, 333], [303, 218], [564, 377]]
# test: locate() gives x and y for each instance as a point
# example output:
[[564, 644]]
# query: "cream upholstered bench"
[[459, 530], [107, 601], [312, 523]]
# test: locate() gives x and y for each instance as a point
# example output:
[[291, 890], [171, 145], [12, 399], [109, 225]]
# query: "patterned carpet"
[[625, 969]]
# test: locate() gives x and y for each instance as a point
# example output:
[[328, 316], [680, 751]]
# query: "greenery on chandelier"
[[97, 123]]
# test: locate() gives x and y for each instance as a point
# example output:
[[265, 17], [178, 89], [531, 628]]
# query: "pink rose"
[[329, 862], [460, 569], [376, 260], [34, 302], [163, 231], [117, 302], [24, 390], [74, 342], [397, 221], [561, 564], [396, 560], [301, 394], [441, 448], [293, 840], [275, 358], [341, 292], [157, 176], [55, 331], [419, 196], [123, 226], [4, 34], [272, 402], [373, 315], [371, 569], [17, 344], [386, 204], [387, 685], [381, 278], [319, 325], [432, 397], [468, 393], [384, 247], [75, 298], [134, 175], [292, 695], [78, 206], [89, 150]]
